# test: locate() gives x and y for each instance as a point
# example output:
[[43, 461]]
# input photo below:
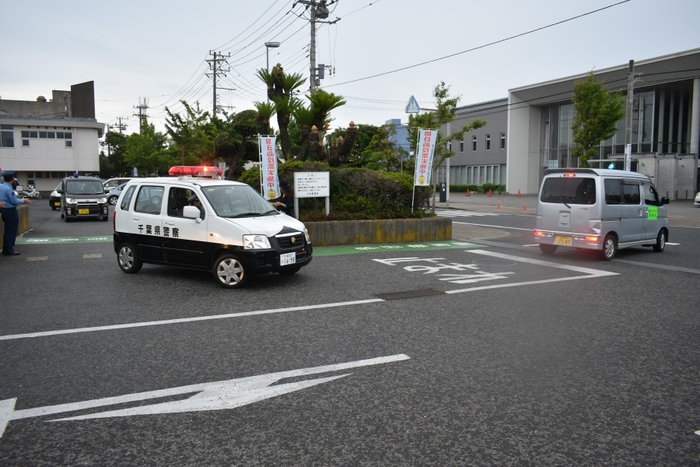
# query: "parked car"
[[113, 194], [697, 199], [114, 182], [55, 198]]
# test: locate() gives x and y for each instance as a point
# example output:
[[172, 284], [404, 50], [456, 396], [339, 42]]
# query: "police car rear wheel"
[[229, 272], [128, 261]]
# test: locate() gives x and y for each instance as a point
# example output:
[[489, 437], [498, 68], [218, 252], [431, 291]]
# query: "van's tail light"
[[538, 233], [592, 239]]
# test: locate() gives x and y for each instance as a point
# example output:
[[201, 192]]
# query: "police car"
[[197, 220]]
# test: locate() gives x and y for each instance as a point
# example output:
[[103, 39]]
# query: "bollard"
[[518, 192], [524, 205], [499, 204]]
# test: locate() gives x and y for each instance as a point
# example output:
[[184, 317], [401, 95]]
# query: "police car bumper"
[[261, 262]]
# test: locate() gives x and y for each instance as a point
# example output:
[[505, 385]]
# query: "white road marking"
[[92, 256], [186, 320], [590, 273], [217, 395], [493, 226], [459, 213]]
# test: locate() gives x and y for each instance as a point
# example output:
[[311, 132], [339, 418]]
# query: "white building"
[[46, 140]]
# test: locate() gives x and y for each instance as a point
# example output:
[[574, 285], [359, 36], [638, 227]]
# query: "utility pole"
[[628, 116], [216, 70], [317, 10], [142, 107]]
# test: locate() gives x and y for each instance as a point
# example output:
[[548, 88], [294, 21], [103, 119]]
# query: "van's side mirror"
[[664, 200]]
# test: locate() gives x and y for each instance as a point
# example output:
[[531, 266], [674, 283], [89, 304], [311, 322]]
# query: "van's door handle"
[[135, 218], [641, 213]]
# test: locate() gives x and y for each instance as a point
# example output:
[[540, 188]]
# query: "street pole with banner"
[[269, 186], [425, 149]]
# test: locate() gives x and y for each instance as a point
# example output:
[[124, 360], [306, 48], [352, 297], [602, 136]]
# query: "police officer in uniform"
[[10, 216]]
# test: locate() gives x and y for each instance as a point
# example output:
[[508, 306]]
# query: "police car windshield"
[[237, 201]]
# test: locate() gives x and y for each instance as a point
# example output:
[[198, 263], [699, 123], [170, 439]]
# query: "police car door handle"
[[169, 223], [135, 218]]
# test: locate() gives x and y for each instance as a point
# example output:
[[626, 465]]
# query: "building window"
[[473, 143], [25, 143], [488, 142], [461, 146], [69, 143], [7, 137], [503, 140]]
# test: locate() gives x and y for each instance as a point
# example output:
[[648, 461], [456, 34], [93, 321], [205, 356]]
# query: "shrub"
[[354, 193]]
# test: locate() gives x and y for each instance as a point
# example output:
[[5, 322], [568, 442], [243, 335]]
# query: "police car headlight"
[[252, 242]]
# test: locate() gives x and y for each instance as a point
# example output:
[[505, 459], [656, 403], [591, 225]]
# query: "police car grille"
[[291, 241]]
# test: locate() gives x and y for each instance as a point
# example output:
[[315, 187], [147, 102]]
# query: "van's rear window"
[[577, 190]]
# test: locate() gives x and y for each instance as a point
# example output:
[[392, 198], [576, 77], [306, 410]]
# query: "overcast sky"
[[381, 51]]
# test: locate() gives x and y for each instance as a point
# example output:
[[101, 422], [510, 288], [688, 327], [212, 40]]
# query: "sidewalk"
[[681, 213]]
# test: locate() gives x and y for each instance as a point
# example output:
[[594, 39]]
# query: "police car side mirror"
[[191, 212]]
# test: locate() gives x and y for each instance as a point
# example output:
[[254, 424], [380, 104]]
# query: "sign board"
[[424, 157], [412, 107], [312, 184], [268, 159]]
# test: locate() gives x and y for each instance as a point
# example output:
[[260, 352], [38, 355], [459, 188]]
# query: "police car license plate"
[[83, 211], [562, 240], [288, 258]]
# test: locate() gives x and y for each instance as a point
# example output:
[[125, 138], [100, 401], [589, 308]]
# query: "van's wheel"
[[660, 242], [548, 249], [128, 260], [229, 272], [609, 248]]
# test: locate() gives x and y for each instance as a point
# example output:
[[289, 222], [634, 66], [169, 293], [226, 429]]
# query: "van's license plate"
[[562, 240], [288, 258], [83, 211]]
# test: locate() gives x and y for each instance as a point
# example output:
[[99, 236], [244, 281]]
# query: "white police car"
[[234, 232]]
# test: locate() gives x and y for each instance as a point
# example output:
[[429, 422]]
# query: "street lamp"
[[270, 45]]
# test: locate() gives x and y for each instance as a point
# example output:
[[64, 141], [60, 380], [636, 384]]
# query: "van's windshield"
[[568, 190]]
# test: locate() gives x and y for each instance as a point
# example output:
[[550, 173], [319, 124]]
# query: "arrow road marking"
[[217, 395]]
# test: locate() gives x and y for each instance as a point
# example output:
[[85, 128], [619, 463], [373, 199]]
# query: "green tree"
[[597, 113], [446, 112], [380, 153], [149, 152], [193, 135], [113, 165]]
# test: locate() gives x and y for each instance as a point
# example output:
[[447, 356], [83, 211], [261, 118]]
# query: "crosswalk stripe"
[[460, 213]]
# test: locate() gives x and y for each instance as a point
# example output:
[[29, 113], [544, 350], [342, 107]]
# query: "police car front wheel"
[[230, 272]]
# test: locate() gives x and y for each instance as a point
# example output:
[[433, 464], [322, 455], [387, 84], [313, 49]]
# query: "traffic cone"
[[467, 193], [518, 192], [490, 194]]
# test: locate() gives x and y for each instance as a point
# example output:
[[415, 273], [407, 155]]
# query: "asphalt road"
[[479, 351]]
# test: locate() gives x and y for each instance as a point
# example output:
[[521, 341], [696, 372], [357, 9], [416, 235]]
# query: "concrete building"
[[46, 140], [534, 125]]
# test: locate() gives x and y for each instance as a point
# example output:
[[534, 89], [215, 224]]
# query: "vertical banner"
[[268, 166], [424, 157]]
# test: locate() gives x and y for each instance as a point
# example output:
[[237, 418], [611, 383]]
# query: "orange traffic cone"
[[490, 194], [467, 193]]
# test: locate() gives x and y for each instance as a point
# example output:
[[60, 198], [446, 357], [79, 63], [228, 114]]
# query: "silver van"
[[599, 209]]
